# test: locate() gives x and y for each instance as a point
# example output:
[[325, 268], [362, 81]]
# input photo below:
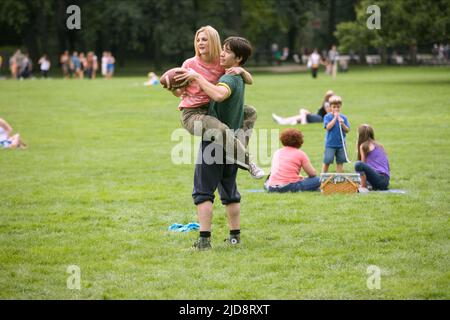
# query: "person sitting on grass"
[[373, 164], [6, 140], [337, 126], [287, 163], [153, 79], [305, 116]]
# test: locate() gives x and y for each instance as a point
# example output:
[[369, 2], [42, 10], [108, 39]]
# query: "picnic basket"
[[339, 182]]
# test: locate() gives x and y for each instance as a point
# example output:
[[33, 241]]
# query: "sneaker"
[[202, 244], [233, 239], [363, 190], [255, 171]]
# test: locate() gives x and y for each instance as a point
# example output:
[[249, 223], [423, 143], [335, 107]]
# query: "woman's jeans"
[[308, 184], [377, 180]]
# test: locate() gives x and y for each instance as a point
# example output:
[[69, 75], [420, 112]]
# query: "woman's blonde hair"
[[213, 40]]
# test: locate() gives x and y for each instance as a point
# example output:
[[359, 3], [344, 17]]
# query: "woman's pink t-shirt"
[[195, 96], [286, 165]]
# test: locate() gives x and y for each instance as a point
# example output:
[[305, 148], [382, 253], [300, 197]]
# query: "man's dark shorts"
[[210, 176]]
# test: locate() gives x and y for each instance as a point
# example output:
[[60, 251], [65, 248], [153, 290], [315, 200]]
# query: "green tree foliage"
[[403, 23], [162, 30]]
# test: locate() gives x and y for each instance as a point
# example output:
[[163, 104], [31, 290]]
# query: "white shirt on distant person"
[[45, 64]]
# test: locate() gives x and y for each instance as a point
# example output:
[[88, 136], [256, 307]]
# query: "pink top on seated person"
[[286, 165], [194, 96]]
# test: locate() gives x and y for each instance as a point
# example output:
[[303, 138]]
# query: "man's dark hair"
[[241, 47]]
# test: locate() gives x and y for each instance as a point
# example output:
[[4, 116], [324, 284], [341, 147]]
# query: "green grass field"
[[97, 188]]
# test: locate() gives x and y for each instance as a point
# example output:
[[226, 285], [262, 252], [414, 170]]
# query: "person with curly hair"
[[287, 163]]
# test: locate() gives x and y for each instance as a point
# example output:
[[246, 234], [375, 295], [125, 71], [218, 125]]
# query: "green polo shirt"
[[231, 110]]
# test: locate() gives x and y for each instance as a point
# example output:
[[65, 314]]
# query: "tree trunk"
[[331, 23], [292, 39], [413, 52], [236, 16], [61, 26]]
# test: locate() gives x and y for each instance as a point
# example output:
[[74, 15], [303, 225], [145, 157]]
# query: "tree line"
[[161, 31]]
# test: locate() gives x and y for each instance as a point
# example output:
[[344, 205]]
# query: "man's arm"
[[216, 92]]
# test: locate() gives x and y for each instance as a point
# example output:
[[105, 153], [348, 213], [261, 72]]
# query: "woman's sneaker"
[[255, 171], [202, 244]]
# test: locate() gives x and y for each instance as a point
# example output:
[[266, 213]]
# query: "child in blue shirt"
[[334, 141]]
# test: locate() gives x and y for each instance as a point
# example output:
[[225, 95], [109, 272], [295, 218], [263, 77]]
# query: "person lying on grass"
[[305, 116], [8, 141], [287, 163], [373, 164]]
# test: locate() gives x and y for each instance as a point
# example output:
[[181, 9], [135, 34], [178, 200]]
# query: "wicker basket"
[[339, 182]]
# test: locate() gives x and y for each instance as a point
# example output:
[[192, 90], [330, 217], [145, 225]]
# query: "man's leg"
[[234, 222], [206, 180], [230, 197], [234, 216], [339, 167], [204, 213]]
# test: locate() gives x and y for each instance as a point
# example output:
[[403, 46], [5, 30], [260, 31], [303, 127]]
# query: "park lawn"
[[97, 189]]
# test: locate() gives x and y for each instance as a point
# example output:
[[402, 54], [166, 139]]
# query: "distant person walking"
[[15, 63], [89, 65], [25, 67], [104, 64], [65, 63], [44, 65], [332, 63], [110, 66], [314, 63], [76, 67], [83, 63], [94, 65]]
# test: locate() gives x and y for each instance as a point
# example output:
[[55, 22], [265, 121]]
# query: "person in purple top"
[[373, 164]]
